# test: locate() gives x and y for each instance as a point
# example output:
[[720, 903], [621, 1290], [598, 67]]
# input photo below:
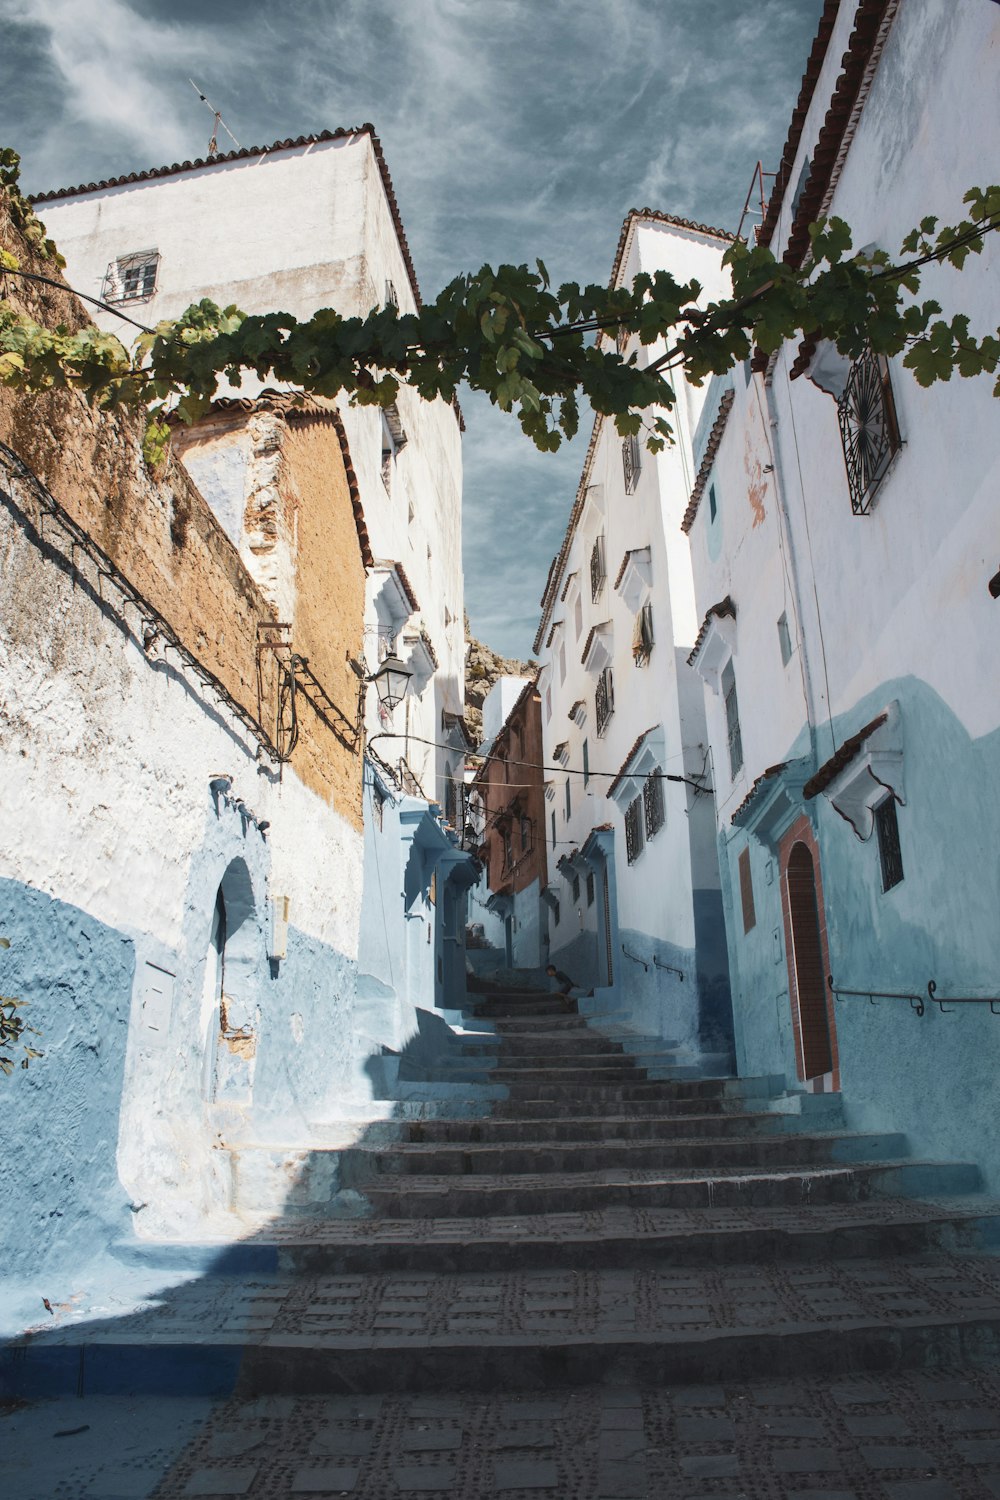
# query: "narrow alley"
[[594, 1275]]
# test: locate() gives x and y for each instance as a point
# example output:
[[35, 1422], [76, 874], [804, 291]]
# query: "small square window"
[[131, 278], [889, 852], [713, 504]]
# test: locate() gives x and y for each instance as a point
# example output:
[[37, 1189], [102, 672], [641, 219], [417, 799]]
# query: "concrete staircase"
[[543, 1212]]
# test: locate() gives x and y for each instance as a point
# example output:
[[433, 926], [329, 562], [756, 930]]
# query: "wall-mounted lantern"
[[391, 681]]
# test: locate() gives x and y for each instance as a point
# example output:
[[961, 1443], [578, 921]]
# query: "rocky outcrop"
[[483, 667]]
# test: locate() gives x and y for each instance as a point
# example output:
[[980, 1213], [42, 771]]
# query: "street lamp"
[[391, 681]]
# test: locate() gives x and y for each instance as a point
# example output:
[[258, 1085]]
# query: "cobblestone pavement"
[[503, 1305], [905, 1437]]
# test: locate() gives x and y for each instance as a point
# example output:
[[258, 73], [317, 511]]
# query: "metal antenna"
[[213, 145]]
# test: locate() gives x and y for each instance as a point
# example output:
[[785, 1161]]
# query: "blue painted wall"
[[934, 1077], [60, 1198]]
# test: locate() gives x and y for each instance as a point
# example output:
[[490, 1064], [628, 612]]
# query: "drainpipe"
[[779, 487]]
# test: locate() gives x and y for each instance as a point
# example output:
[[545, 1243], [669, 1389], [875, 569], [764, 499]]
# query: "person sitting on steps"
[[562, 984]]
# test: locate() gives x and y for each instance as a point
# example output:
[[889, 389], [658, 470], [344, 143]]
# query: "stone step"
[[563, 1076], [621, 1238], [501, 1330], [561, 1128], [360, 1166], [430, 1197]]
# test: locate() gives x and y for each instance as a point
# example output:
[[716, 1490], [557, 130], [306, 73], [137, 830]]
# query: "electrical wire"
[[61, 286], [531, 765]]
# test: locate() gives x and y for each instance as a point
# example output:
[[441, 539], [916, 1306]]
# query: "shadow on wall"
[[180, 1340]]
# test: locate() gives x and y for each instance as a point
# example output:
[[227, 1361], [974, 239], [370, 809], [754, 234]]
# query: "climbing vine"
[[533, 349], [13, 1030]]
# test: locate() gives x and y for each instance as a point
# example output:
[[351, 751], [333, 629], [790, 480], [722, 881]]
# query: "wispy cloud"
[[512, 128]]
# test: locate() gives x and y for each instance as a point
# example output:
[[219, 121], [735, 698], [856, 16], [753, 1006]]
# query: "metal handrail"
[[874, 996], [916, 1002]]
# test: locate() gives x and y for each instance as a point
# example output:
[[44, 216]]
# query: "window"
[[631, 462], [548, 704], [604, 699], [889, 852], [868, 428], [586, 762], [391, 299], [553, 828], [451, 799], [131, 278], [525, 833], [713, 504], [378, 806], [569, 800], [733, 734], [642, 635], [578, 616], [575, 887], [508, 850], [652, 802], [633, 830], [590, 889], [784, 640], [555, 913], [746, 891], [562, 664], [598, 569]]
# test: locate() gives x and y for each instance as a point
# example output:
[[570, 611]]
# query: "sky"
[[512, 129]]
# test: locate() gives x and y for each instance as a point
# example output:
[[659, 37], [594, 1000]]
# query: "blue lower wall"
[[933, 1077], [60, 1198]]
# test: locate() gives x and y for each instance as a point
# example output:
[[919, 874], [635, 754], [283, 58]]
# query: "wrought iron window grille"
[[131, 278], [642, 641], [591, 889], [869, 430], [733, 732], [634, 843], [575, 887], [887, 834], [604, 700], [653, 806], [598, 569], [631, 462]]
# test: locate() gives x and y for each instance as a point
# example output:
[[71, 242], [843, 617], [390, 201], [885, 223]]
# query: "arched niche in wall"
[[232, 978]]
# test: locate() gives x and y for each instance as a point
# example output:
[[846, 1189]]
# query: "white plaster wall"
[[300, 229], [909, 580], [655, 894], [498, 703], [106, 759]]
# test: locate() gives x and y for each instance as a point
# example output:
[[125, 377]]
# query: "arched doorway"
[[806, 962], [229, 997]]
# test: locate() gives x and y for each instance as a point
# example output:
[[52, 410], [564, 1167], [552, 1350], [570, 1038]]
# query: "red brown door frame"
[[807, 956]]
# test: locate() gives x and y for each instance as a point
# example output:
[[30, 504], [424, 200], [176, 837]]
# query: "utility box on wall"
[[277, 942]]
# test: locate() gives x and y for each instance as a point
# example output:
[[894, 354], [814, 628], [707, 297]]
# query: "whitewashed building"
[[633, 894], [843, 528], [296, 226]]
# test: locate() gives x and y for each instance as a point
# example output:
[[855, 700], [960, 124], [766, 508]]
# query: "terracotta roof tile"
[[759, 782], [601, 625], [624, 564], [242, 154], [717, 612], [832, 768], [810, 78], [714, 439], [623, 769]]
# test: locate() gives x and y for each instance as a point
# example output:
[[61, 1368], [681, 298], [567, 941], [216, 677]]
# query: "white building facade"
[[633, 894], [844, 541], [295, 227]]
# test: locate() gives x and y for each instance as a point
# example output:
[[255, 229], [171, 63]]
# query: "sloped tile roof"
[[714, 439]]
